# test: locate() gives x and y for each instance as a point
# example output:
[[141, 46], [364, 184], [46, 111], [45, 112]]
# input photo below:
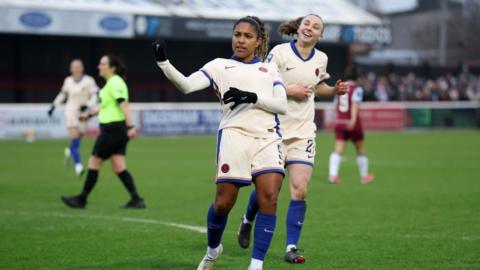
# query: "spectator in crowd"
[[411, 87]]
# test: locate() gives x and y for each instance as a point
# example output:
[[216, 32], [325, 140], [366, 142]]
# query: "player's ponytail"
[[290, 28], [117, 62], [262, 49]]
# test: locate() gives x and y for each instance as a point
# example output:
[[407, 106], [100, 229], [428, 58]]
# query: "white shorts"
[[299, 151], [241, 158], [72, 121]]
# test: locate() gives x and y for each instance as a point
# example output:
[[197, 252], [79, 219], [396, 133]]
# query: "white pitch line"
[[197, 229]]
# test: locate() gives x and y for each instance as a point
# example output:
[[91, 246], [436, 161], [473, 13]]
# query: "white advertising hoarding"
[[65, 22]]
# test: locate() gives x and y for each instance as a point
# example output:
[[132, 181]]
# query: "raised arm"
[[195, 82]]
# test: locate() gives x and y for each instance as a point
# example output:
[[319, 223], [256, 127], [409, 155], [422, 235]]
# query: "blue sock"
[[74, 145], [264, 228], [295, 217], [252, 207], [216, 225]]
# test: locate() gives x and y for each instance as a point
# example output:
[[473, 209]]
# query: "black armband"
[[120, 100]]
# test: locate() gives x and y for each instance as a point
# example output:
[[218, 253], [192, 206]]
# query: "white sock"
[[78, 167], [255, 264], [246, 221], [213, 252], [334, 165], [362, 162], [289, 247]]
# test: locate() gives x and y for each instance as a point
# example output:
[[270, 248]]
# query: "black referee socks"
[[92, 176], [127, 181]]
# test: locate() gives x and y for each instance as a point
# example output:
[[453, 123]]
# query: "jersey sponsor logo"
[[263, 69], [290, 68], [113, 23], [225, 168], [35, 19], [229, 67]]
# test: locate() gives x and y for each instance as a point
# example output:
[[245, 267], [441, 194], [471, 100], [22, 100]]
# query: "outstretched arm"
[[196, 81]]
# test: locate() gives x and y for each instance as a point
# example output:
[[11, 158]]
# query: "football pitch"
[[421, 212]]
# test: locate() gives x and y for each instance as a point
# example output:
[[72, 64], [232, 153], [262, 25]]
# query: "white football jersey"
[[77, 93], [256, 77], [298, 122]]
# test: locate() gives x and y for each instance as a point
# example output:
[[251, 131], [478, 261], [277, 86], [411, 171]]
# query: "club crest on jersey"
[[263, 69], [225, 168], [317, 72]]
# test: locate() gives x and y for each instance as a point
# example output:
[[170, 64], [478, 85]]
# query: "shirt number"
[[343, 104]]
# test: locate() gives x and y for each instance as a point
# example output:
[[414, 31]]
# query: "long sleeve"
[[93, 100], [195, 82], [61, 97], [275, 104]]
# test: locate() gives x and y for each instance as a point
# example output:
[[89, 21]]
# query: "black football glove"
[[50, 111], [238, 97], [160, 50]]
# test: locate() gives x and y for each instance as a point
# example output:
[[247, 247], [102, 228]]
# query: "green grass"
[[422, 212]]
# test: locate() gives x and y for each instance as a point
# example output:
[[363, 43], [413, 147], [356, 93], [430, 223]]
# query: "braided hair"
[[262, 49]]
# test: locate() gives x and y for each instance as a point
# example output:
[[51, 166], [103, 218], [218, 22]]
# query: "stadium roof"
[[339, 12]]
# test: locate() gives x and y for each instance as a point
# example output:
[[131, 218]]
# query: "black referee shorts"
[[112, 140]]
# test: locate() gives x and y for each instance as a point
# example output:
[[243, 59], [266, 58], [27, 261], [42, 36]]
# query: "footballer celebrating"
[[80, 92], [249, 146], [348, 126], [304, 70], [116, 129]]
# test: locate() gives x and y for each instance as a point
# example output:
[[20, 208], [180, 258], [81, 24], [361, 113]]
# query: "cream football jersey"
[[298, 122], [77, 93], [256, 77]]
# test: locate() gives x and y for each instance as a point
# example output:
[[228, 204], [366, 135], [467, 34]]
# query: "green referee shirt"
[[110, 110]]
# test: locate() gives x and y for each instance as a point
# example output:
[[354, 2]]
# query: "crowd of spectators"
[[464, 86]]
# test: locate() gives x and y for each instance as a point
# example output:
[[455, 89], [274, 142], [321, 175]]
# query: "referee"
[[115, 131]]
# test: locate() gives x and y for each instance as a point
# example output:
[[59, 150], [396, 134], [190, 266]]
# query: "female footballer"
[[348, 126], [249, 145], [303, 69], [116, 128], [80, 92]]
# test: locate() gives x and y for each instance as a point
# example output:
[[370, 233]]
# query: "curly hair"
[[262, 49]]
